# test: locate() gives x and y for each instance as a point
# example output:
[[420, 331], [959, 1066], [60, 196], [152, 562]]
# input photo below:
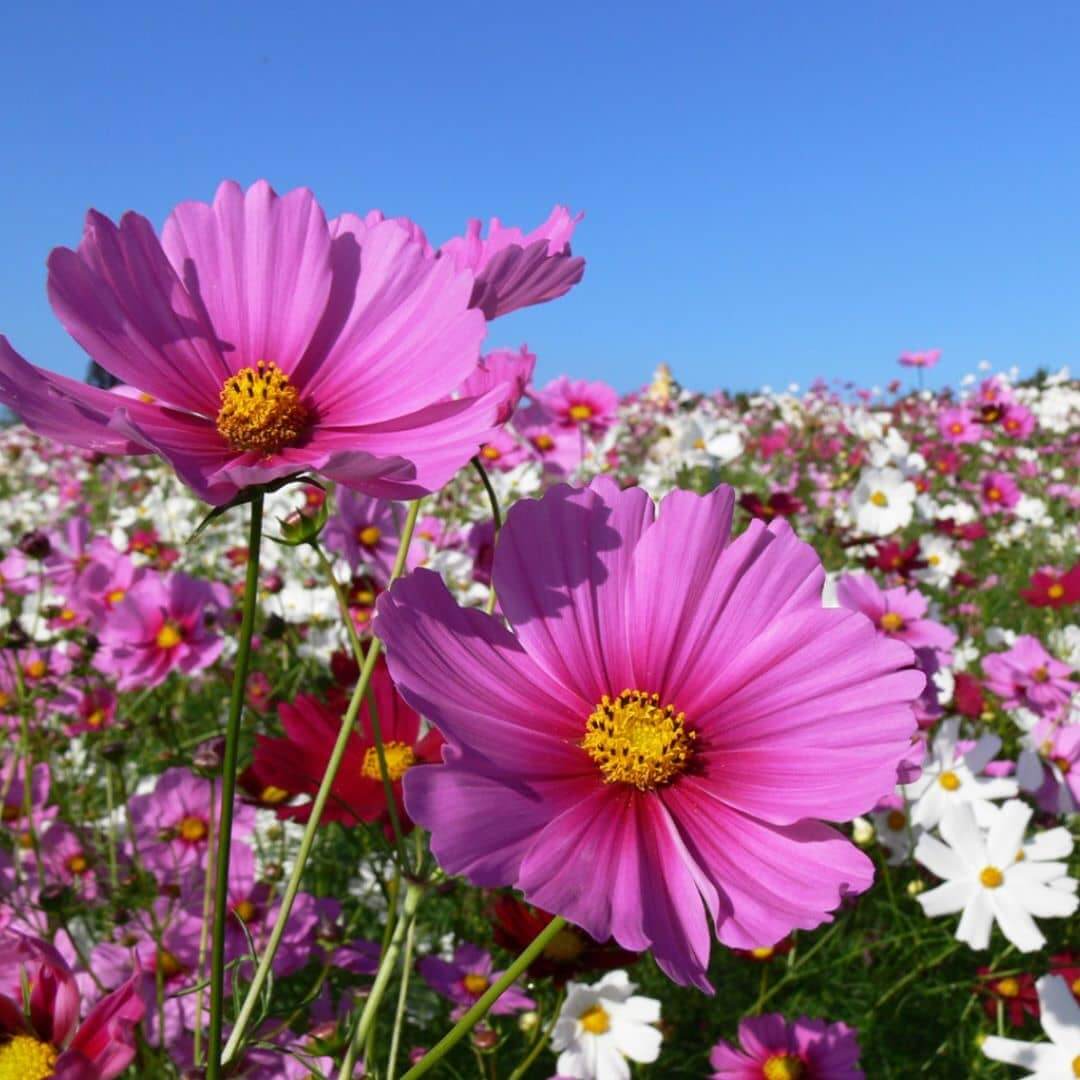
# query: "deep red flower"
[[779, 504], [968, 698], [1048, 588], [1017, 993], [891, 558]]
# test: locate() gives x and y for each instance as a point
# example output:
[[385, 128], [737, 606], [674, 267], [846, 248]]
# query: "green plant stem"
[[403, 993], [490, 996], [542, 1041], [322, 796], [413, 892], [228, 793], [204, 930], [496, 515]]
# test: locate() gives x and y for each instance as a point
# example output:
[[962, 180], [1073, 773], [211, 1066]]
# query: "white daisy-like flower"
[[994, 877], [882, 502], [896, 834], [950, 778], [604, 1026], [941, 558], [1059, 1015]]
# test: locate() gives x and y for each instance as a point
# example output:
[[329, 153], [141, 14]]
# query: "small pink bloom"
[[958, 426], [1028, 675], [575, 403], [772, 1047], [999, 492]]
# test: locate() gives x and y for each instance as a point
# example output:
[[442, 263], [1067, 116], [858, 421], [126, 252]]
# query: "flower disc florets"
[[26, 1058], [635, 740], [261, 410]]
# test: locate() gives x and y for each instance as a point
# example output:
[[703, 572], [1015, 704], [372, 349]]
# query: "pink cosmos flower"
[[515, 269], [898, 613], [999, 492], [503, 452], [655, 741], [503, 367], [260, 341], [365, 532], [46, 1038], [1028, 675], [69, 861], [926, 359], [959, 426], [575, 403], [15, 575], [777, 1050], [159, 627], [469, 976], [1018, 422], [557, 447]]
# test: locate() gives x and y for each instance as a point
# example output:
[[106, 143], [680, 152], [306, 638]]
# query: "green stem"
[[541, 1042], [491, 995], [228, 793], [403, 992], [322, 796], [204, 930], [496, 515], [387, 963]]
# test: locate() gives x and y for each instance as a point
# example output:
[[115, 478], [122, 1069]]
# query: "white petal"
[[639, 1042], [1028, 1055], [1016, 924], [982, 753], [947, 898], [962, 834], [1052, 844], [939, 859], [976, 922], [1059, 1012], [1007, 834]]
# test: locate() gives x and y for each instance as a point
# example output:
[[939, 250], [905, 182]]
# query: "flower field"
[[372, 708]]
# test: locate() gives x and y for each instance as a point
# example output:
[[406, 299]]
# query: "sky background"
[[772, 191]]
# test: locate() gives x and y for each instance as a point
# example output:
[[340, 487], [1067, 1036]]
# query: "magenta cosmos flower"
[[655, 741], [925, 359], [40, 1033], [468, 977], [259, 340], [776, 1050]]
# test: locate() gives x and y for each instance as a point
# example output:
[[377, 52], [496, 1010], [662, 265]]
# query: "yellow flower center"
[[475, 984], [896, 820], [192, 829], [992, 877], [5, 700], [994, 494], [400, 758], [949, 781], [1076, 1065], [567, 944], [115, 596], [169, 965], [933, 560], [36, 669], [245, 910], [956, 427], [581, 412], [635, 740], [1064, 764], [96, 718], [763, 952], [77, 864], [368, 536], [1040, 675], [699, 444], [169, 636], [273, 795], [595, 1020], [67, 615], [1056, 591], [782, 1067], [1008, 988], [491, 453], [879, 498], [543, 441], [23, 1057], [260, 410], [891, 622]]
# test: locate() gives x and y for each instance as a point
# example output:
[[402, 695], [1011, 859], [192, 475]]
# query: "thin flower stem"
[[541, 1041], [110, 803], [204, 930], [322, 796], [413, 893], [403, 992], [493, 993], [228, 793], [496, 515]]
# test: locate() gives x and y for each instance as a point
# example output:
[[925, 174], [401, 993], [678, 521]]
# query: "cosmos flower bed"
[[412, 716]]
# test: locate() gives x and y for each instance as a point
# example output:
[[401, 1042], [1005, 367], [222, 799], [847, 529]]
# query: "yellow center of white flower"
[[1076, 1065], [879, 498], [260, 410], [400, 758], [782, 1067], [23, 1057], [991, 877], [595, 1020], [949, 781], [635, 740]]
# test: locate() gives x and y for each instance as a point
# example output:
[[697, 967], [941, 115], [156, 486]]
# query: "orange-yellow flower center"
[[1040, 675], [261, 410], [782, 1067], [115, 596], [566, 945], [891, 622], [36, 669], [635, 740], [490, 452], [475, 984], [5, 700], [192, 829], [77, 864], [1076, 1065], [543, 441], [245, 910], [368, 536], [949, 781], [879, 498], [896, 820], [400, 758], [994, 494], [96, 718], [23, 1057], [1008, 987], [1056, 591], [581, 411], [595, 1020], [763, 952], [169, 965], [992, 877], [169, 636], [273, 795], [956, 427]]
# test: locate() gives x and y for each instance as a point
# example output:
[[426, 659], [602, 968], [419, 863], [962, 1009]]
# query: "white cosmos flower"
[[1059, 1015], [603, 1026], [994, 877], [941, 557], [949, 778], [882, 501]]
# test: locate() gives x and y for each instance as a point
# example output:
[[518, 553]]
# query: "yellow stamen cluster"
[[949, 781], [891, 622], [475, 984], [192, 829], [368, 536], [543, 441], [783, 1067], [635, 740], [1076, 1065], [595, 1020], [245, 910], [169, 965], [400, 758], [36, 669], [991, 877], [566, 945], [23, 1057], [1056, 591], [261, 410], [581, 412], [77, 864], [273, 795], [491, 453], [1008, 987], [879, 498], [169, 636]]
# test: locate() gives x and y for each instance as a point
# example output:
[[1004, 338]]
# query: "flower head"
[[775, 1049]]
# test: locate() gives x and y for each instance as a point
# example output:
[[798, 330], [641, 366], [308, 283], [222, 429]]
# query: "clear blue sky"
[[773, 191]]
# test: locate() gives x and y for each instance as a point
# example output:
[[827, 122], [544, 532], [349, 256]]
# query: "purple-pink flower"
[[1028, 675], [469, 975], [576, 403], [999, 492], [656, 741], [925, 359], [899, 613], [804, 1049]]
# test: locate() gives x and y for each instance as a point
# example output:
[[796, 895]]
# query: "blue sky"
[[772, 191]]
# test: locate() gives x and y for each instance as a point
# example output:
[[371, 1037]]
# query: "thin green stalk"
[[387, 963], [490, 996], [393, 895], [403, 992], [110, 803], [228, 793], [542, 1041], [322, 796], [204, 930], [496, 515]]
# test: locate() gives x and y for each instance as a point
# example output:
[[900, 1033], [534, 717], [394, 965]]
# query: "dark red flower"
[[1048, 588], [968, 698], [779, 504], [891, 558]]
